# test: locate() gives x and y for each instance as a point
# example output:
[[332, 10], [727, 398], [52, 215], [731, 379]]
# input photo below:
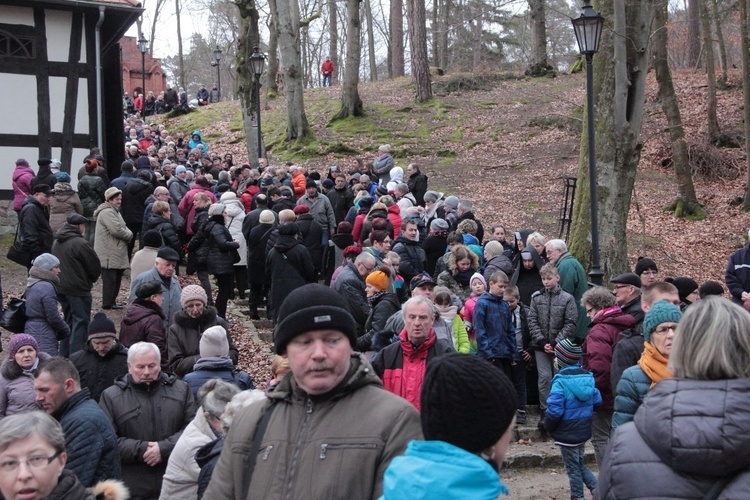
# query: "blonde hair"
[[712, 341], [279, 366]]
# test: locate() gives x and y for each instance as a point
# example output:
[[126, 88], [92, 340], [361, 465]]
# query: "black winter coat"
[[90, 440], [312, 236], [626, 352], [351, 285], [206, 457], [134, 198], [34, 228], [222, 249], [341, 201], [497, 263], [434, 247], [383, 307], [418, 187], [470, 216], [169, 236], [413, 258], [289, 266], [198, 244], [79, 264], [140, 413], [185, 336], [99, 372], [44, 176], [256, 254]]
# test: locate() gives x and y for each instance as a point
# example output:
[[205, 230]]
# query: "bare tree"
[[722, 82], [397, 38], [420, 65], [351, 104], [287, 13], [333, 35], [746, 94], [539, 65], [620, 70], [370, 42], [273, 51], [694, 32], [180, 58], [157, 12], [248, 40], [711, 119], [687, 202]]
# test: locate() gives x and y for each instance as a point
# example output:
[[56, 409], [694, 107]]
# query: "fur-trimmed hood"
[[10, 370], [110, 490]]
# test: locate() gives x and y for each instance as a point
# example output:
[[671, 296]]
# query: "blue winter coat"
[[222, 368], [44, 322], [436, 469], [570, 406], [493, 326], [90, 440], [631, 391]]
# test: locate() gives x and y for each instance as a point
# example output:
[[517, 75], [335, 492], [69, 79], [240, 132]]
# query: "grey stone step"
[[539, 454]]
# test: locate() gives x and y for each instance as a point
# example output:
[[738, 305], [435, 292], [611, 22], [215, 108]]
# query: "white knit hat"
[[214, 342]]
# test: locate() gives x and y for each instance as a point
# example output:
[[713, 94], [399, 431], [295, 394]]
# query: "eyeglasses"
[[618, 287], [35, 462], [665, 329]]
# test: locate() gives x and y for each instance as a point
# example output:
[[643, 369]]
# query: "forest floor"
[[507, 145]]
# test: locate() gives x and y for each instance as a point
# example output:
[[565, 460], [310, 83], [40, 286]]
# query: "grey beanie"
[[452, 201], [46, 261], [216, 209], [438, 224], [214, 342]]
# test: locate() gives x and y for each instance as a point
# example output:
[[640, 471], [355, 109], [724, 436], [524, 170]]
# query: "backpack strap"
[[260, 430], [716, 489]]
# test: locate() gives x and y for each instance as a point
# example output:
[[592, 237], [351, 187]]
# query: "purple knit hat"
[[19, 340]]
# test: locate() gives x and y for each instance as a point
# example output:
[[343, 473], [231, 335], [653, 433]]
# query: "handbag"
[[14, 317], [17, 253]]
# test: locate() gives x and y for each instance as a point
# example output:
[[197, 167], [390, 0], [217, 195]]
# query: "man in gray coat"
[[349, 427], [163, 271], [351, 285], [320, 208], [81, 270]]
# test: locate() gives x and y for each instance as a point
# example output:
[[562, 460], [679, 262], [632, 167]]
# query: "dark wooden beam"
[[42, 85], [71, 89], [55, 140]]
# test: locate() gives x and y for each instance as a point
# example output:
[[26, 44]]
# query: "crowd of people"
[[384, 294]]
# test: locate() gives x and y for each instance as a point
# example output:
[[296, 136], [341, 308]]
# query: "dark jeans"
[[137, 234], [578, 473], [205, 280], [225, 283], [240, 278], [77, 311], [327, 80], [111, 281], [518, 377], [503, 363]]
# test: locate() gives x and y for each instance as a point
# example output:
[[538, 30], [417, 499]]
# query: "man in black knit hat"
[[343, 419]]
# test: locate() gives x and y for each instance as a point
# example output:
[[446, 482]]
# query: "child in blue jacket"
[[570, 411]]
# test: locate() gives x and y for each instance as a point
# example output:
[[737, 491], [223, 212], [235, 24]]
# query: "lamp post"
[[258, 61], [143, 47], [217, 57], [588, 30]]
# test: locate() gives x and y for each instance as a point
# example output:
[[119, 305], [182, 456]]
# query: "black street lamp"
[[217, 56], [143, 47], [588, 30], [258, 61]]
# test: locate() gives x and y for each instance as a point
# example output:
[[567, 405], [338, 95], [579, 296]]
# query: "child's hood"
[[577, 383]]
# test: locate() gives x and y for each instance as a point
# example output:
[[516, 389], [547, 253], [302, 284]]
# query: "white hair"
[[143, 348], [557, 245], [238, 402]]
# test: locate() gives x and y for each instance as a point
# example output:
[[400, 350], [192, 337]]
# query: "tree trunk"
[[272, 85], [746, 94], [246, 42], [180, 57], [287, 13], [397, 38], [444, 28], [539, 65], [351, 104], [371, 43], [154, 22], [722, 82], [420, 64], [436, 33], [711, 119], [687, 203], [694, 32], [333, 44], [620, 94], [303, 56], [478, 30]]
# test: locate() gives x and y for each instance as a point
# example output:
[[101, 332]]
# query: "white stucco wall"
[[21, 106], [17, 15], [58, 25]]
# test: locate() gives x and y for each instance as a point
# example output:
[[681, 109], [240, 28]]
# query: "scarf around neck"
[[654, 364]]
